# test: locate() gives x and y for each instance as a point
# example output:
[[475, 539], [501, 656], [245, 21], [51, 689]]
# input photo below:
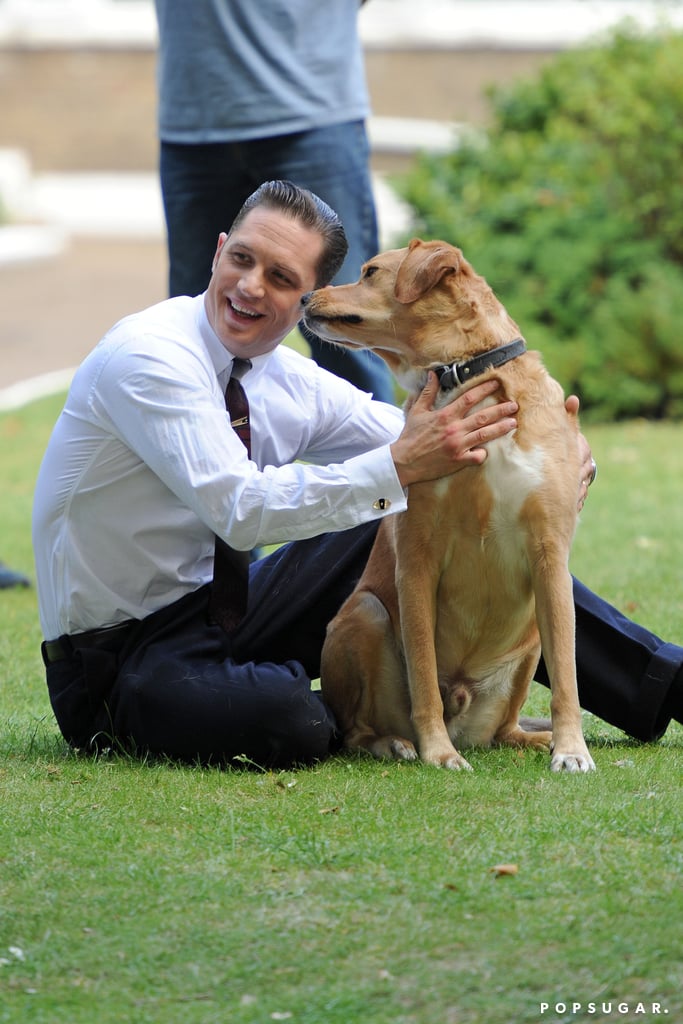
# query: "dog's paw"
[[450, 759], [457, 763], [572, 763], [402, 750], [520, 737]]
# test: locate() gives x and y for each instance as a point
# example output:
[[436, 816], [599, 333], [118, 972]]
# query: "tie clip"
[[242, 422]]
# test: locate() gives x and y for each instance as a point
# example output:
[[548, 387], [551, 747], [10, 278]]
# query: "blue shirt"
[[231, 70]]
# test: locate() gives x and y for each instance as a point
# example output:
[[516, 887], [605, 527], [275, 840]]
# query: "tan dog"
[[438, 644]]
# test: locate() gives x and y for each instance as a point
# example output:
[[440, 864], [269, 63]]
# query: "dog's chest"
[[485, 579], [511, 475], [487, 501]]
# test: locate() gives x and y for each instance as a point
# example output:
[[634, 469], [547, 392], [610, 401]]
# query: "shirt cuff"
[[375, 482]]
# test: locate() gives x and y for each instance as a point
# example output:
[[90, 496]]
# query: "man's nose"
[[251, 282]]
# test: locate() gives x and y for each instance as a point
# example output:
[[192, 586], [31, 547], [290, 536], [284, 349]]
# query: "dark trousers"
[[180, 686]]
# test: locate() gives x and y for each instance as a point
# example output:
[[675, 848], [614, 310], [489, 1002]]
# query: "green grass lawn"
[[356, 891]]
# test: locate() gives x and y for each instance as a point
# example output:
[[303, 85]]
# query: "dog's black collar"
[[456, 374]]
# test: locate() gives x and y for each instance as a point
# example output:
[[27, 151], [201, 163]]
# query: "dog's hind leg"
[[363, 680], [517, 731], [523, 732]]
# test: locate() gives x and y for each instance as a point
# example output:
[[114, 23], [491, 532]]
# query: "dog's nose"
[[305, 298]]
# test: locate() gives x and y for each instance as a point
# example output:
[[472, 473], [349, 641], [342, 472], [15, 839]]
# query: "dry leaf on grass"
[[504, 869]]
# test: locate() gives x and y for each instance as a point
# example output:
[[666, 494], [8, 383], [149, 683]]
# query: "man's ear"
[[222, 239], [423, 266]]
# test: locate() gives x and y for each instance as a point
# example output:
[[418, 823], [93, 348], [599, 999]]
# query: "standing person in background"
[[250, 92]]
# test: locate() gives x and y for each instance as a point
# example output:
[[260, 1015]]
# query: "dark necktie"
[[237, 404], [229, 590]]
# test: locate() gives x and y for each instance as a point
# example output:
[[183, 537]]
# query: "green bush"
[[571, 205]]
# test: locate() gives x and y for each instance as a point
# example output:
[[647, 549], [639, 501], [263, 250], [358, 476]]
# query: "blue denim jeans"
[[204, 186]]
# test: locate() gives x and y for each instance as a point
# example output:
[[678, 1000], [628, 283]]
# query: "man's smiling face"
[[260, 271]]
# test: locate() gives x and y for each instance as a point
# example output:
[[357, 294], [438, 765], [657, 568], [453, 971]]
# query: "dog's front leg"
[[417, 582], [555, 615]]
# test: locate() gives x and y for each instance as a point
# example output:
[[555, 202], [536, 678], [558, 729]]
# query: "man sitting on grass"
[[144, 471]]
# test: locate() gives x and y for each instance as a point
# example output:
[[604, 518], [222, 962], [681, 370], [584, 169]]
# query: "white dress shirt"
[[143, 468]]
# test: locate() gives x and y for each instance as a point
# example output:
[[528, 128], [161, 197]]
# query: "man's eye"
[[282, 279], [241, 258]]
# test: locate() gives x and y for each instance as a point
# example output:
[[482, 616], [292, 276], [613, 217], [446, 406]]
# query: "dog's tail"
[[535, 724]]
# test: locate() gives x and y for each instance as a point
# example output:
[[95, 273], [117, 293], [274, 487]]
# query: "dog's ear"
[[422, 268]]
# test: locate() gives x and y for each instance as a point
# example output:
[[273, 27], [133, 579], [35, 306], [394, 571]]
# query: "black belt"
[[109, 638]]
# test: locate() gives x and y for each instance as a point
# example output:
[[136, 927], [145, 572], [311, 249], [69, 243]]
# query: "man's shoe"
[[9, 578]]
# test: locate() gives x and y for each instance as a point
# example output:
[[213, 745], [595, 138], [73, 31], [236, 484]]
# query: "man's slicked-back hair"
[[304, 206]]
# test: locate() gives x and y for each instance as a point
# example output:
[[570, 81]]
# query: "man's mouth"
[[248, 314]]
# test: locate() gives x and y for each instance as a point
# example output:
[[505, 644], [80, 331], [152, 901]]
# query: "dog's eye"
[[369, 271]]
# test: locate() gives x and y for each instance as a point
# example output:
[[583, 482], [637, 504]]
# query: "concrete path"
[[53, 310]]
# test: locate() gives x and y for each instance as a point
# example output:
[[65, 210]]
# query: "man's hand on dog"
[[588, 467], [438, 442]]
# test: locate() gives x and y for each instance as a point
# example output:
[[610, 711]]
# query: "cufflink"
[[381, 504]]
